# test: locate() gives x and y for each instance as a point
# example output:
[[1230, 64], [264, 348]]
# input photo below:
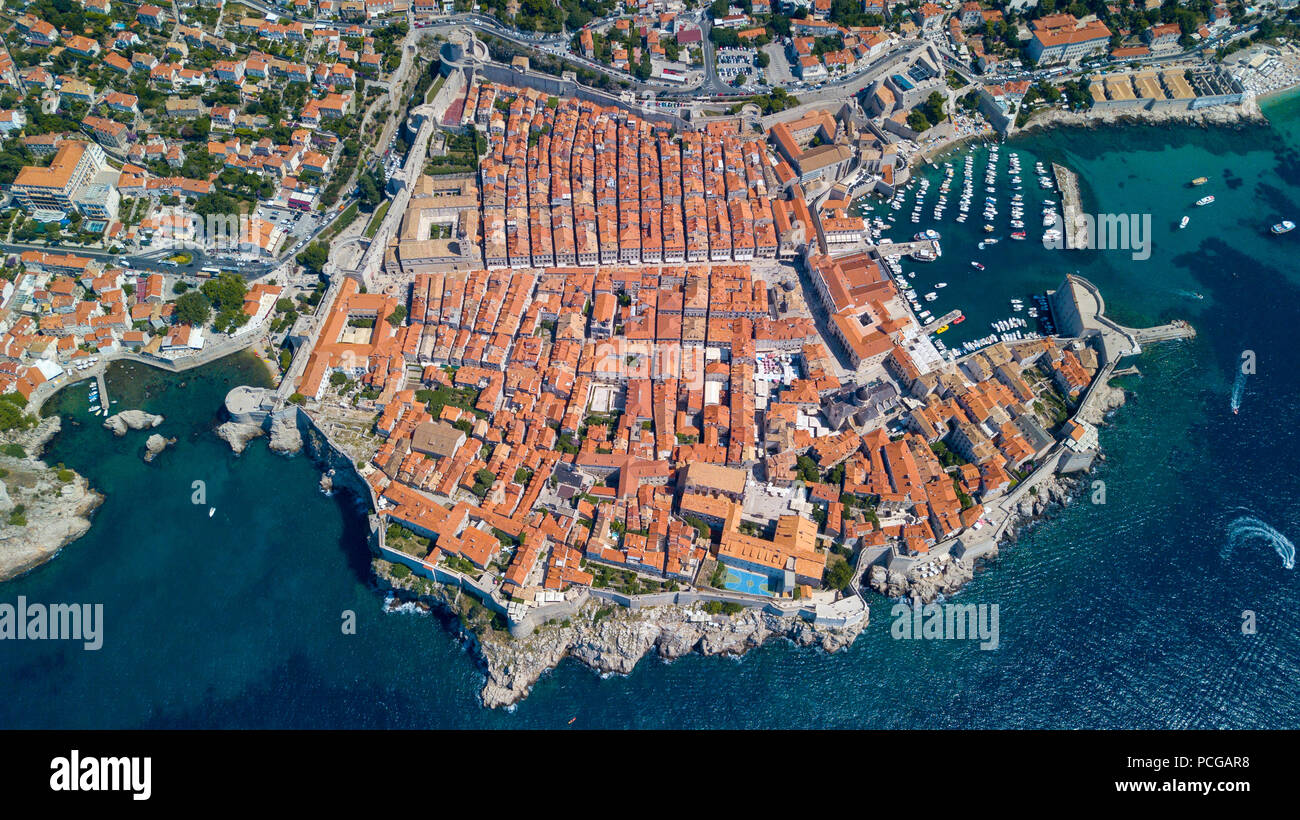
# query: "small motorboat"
[[1203, 201], [1200, 180], [1182, 223], [977, 265], [212, 511], [1285, 226]]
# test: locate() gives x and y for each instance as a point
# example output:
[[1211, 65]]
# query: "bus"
[[210, 270]]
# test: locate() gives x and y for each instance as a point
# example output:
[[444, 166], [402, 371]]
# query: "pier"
[[904, 248], [103, 388], [1076, 235], [945, 319]]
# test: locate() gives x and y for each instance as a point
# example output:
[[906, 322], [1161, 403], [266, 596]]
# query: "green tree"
[[839, 575], [314, 256], [193, 308]]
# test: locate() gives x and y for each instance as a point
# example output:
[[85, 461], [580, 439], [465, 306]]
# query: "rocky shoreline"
[[42, 508], [1052, 492], [1245, 112], [604, 636]]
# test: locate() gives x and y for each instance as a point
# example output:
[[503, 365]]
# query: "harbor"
[[978, 197]]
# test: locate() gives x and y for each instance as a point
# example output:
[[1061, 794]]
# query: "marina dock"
[[103, 388], [904, 248], [945, 319]]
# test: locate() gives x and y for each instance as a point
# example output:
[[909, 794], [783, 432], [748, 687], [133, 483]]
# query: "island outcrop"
[[126, 420]]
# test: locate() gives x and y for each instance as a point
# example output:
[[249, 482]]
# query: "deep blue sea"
[[1127, 614]]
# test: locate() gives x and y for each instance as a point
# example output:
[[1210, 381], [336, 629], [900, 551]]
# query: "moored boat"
[[1285, 226]]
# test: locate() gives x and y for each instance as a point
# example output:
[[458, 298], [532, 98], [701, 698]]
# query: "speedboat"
[[977, 265], [941, 284], [1182, 223], [1285, 226], [1205, 200]]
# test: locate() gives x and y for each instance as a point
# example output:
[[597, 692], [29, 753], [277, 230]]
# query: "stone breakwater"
[[606, 637], [42, 508]]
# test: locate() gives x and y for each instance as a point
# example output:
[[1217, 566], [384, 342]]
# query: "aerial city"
[[654, 364]]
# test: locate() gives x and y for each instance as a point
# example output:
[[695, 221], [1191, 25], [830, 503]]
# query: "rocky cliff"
[[1240, 115], [42, 508], [607, 637], [612, 639], [283, 427]]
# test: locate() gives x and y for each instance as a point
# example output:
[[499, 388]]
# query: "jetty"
[[1076, 234], [904, 248], [103, 388], [945, 319]]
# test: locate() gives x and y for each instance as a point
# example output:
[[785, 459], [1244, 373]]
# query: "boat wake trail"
[[1238, 390], [1248, 529]]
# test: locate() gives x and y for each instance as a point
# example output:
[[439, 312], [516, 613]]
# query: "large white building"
[[49, 193]]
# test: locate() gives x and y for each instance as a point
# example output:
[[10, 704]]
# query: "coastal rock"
[[54, 512], [131, 420], [605, 636], [1107, 397], [155, 445], [1246, 111], [285, 436], [612, 640], [33, 441], [237, 434]]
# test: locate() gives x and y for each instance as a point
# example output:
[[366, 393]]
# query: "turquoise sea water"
[[1126, 614]]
